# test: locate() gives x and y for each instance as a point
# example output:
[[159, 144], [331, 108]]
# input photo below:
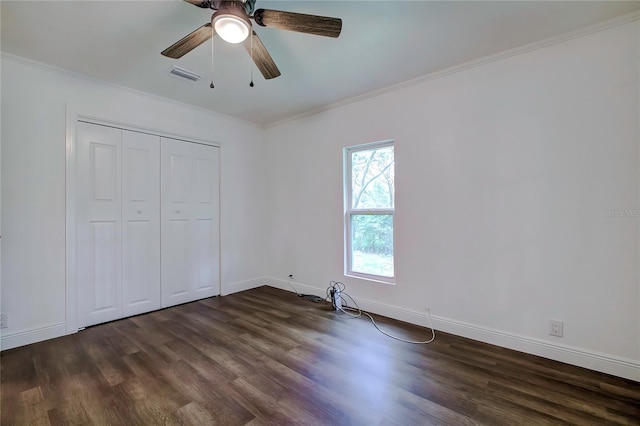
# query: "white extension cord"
[[336, 294]]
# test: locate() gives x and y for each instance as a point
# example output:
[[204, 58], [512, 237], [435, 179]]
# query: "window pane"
[[372, 178], [372, 244]]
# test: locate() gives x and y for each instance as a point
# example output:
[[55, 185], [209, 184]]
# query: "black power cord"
[[310, 297]]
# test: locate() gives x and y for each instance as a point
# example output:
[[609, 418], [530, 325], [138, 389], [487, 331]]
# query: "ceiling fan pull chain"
[[251, 41], [212, 37]]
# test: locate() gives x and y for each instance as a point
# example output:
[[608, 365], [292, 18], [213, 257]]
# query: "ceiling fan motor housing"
[[247, 5]]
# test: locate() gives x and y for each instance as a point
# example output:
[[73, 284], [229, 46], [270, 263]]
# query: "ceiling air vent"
[[186, 74]]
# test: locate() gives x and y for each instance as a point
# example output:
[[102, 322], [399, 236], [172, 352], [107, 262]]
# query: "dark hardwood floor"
[[266, 356]]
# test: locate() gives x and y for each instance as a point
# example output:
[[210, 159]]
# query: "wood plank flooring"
[[268, 357]]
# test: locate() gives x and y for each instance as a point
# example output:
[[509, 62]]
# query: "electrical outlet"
[[556, 328], [4, 321]]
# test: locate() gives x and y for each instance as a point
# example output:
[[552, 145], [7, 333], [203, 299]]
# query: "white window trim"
[[349, 211]]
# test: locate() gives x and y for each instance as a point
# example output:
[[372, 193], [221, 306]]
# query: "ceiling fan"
[[232, 22]]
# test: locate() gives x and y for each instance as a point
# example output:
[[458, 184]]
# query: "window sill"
[[372, 278]]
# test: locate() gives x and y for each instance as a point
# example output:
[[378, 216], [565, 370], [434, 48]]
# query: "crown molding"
[[72, 74], [568, 36]]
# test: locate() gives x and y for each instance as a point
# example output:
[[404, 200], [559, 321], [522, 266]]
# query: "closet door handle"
[[139, 211]]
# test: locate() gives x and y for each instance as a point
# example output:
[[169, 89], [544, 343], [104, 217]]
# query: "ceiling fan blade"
[[300, 22], [205, 4], [261, 57], [189, 42]]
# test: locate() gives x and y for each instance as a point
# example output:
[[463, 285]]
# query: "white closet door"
[[99, 209], [189, 247], [206, 221], [177, 178], [141, 223]]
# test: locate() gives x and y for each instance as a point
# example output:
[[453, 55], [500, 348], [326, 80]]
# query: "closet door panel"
[[99, 224], [206, 274], [177, 183], [141, 222], [177, 262], [104, 268], [206, 224]]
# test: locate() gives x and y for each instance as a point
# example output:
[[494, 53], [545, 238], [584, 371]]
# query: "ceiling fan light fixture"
[[231, 27]]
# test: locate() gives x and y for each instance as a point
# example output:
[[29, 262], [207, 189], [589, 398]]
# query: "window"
[[369, 208]]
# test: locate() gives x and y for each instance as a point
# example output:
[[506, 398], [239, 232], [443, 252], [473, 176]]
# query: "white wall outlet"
[[556, 328], [4, 321]]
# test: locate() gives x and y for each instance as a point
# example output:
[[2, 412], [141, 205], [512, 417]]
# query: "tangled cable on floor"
[[337, 286]]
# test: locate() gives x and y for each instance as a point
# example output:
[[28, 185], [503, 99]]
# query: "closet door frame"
[[73, 115]]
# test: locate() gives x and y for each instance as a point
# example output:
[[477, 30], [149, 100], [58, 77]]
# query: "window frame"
[[349, 212]]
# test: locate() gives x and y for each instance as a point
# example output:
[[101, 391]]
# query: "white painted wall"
[[33, 186], [505, 174]]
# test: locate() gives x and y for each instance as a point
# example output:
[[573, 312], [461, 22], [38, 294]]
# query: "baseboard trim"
[[294, 287], [14, 340], [242, 286], [28, 337], [580, 357], [604, 363]]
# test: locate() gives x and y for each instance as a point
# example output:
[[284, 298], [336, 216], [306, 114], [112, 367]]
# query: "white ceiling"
[[382, 43]]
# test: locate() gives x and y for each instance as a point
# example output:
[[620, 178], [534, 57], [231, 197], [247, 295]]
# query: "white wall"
[[33, 186], [505, 173]]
